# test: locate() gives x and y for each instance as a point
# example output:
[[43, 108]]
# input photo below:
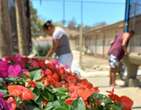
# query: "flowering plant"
[[35, 84]]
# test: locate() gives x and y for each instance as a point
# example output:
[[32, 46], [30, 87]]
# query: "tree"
[[72, 24], [100, 24], [20, 27], [59, 23], [5, 40], [36, 22]]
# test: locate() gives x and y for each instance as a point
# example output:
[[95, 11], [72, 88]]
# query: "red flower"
[[52, 64], [69, 101], [86, 84], [126, 102], [56, 77], [71, 78], [34, 64], [41, 64], [26, 73], [113, 96], [85, 93], [61, 70], [27, 95], [14, 90], [47, 72], [45, 81], [31, 84], [20, 91], [73, 87], [74, 95]]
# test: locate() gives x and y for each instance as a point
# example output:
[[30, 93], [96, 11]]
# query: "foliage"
[[39, 50], [36, 22], [48, 85]]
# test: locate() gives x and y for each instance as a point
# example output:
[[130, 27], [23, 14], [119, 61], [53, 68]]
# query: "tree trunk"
[[21, 27], [5, 29], [28, 26]]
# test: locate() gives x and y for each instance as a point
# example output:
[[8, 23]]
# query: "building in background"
[[97, 40]]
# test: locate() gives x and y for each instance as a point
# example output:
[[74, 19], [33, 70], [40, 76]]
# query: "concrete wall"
[[99, 39]]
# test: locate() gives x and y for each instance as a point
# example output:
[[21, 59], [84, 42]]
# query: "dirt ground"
[[91, 62], [96, 70]]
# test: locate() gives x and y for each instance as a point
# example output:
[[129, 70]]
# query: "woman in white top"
[[61, 45]]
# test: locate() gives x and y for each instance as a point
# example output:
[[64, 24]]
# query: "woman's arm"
[[54, 48], [125, 41]]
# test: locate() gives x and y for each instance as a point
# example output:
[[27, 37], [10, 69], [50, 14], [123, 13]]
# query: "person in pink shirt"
[[117, 51]]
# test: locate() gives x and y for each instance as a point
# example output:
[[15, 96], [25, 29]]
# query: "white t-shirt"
[[58, 33]]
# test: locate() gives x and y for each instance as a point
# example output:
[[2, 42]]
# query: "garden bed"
[[36, 84]]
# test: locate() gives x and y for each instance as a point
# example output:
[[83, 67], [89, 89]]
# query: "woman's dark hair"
[[47, 24]]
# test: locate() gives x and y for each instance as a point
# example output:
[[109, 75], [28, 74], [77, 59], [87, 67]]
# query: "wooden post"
[[5, 29], [21, 28], [81, 35], [103, 44], [28, 27]]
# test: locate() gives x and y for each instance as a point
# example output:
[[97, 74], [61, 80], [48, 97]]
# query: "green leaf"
[[30, 105], [36, 109], [4, 91], [46, 94], [116, 107], [1, 80], [36, 74], [52, 105], [9, 80], [102, 98], [62, 108], [37, 91], [40, 85], [38, 100], [61, 93], [57, 105], [78, 105]]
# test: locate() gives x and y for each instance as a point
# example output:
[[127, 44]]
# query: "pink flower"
[[16, 59], [1, 94], [14, 70], [4, 69], [3, 104], [12, 102]]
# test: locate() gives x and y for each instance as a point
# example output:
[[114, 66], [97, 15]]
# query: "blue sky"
[[94, 11]]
